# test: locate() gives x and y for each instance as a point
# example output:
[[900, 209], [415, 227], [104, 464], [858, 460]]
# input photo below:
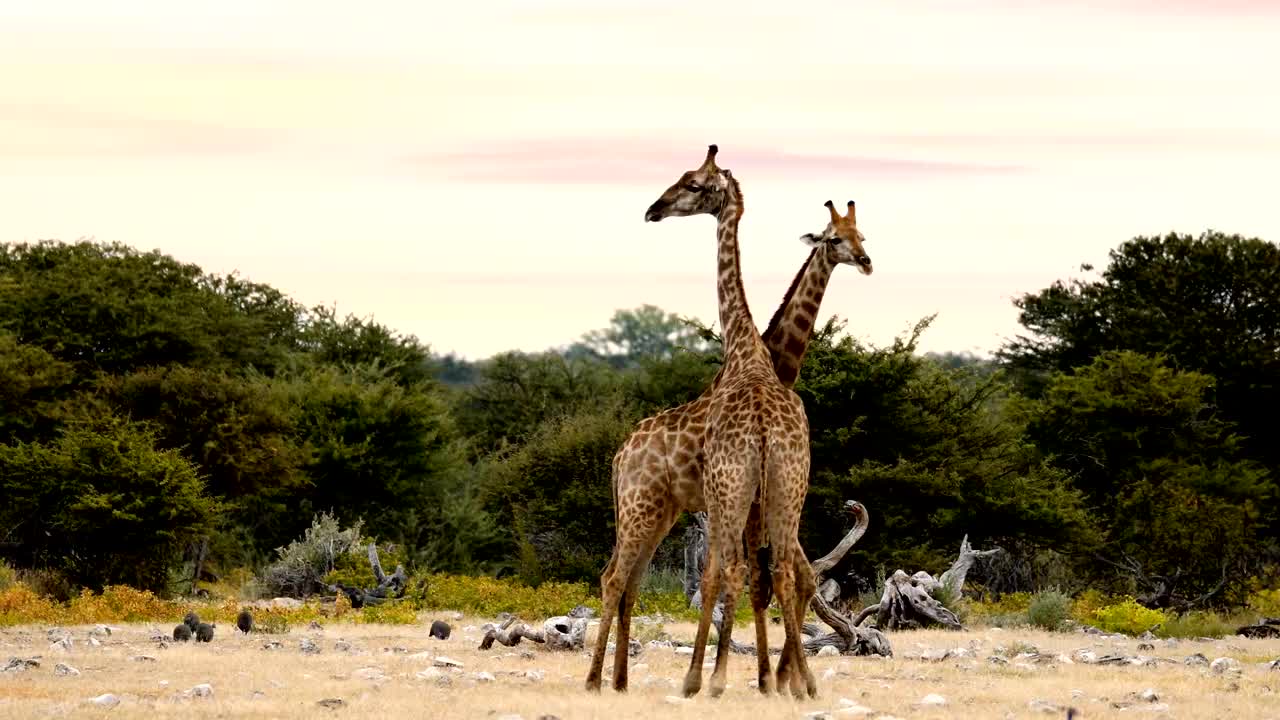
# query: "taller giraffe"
[[757, 449], [658, 471]]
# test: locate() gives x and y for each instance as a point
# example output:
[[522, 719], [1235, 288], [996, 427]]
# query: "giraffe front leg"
[[710, 591]]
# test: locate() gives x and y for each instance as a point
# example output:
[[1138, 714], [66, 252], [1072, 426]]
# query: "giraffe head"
[[697, 192], [842, 238]]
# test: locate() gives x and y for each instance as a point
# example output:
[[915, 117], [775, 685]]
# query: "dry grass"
[[250, 681]]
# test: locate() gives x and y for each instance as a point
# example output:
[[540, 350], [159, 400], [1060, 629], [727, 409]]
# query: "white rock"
[[684, 650], [93, 642], [1224, 665], [65, 670], [485, 677], [105, 700], [1065, 659], [201, 690], [534, 675], [853, 709], [828, 651], [308, 646], [287, 603], [369, 673], [934, 655], [1043, 706], [1148, 695], [448, 662], [676, 700], [933, 699], [435, 675]]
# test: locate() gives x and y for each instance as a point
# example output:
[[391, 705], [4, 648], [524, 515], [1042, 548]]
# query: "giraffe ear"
[[811, 240]]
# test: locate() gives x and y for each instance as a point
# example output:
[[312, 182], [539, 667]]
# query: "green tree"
[[933, 453], [101, 504], [110, 308], [34, 390], [1210, 304], [1166, 476], [240, 431], [517, 392], [382, 452], [554, 496], [353, 341], [647, 332]]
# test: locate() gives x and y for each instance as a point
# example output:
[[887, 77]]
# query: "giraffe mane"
[[776, 320]]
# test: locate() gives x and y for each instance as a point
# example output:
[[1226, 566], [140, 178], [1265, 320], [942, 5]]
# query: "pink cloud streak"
[[626, 160]]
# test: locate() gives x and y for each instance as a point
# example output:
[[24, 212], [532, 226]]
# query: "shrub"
[[1087, 603], [1128, 617], [123, 510], [1265, 602], [20, 605], [8, 576], [388, 613], [117, 603], [1048, 609], [1197, 623], [304, 563]]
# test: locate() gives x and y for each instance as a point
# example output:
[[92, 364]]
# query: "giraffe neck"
[[792, 327], [742, 344]]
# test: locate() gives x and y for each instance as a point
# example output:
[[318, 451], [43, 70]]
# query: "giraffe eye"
[[693, 188]]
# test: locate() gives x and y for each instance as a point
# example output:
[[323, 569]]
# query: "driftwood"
[[908, 601], [388, 587], [1162, 590], [1264, 628], [559, 633], [847, 637]]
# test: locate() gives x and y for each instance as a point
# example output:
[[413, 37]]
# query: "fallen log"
[[908, 601], [389, 586], [558, 633], [1264, 628]]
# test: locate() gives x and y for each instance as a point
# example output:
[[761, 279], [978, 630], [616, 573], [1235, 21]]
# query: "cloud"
[[41, 130], [625, 161]]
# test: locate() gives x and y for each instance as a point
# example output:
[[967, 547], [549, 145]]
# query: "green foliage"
[[1128, 617], [102, 504], [304, 563], [1265, 602], [555, 493], [1049, 609], [8, 576], [1211, 306], [111, 308], [933, 453], [486, 597], [644, 334], [1198, 623], [1165, 475], [33, 387]]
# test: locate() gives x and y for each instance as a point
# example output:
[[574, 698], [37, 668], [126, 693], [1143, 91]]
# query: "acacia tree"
[[1165, 475]]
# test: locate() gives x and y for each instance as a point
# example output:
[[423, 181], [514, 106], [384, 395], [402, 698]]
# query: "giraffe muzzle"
[[654, 213]]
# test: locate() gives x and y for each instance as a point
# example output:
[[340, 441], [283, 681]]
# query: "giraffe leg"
[[710, 591], [613, 583], [734, 574], [784, 587], [806, 586], [611, 586], [761, 592], [621, 646]]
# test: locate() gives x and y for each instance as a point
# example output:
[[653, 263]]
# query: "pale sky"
[[476, 173]]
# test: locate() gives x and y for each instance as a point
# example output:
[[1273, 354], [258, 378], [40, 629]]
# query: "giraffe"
[[658, 471], [757, 449]]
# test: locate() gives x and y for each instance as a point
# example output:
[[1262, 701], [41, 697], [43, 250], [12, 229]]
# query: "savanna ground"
[[375, 671]]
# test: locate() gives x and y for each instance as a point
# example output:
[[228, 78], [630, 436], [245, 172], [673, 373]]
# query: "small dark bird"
[[182, 633], [204, 632], [191, 620], [440, 630], [244, 621]]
